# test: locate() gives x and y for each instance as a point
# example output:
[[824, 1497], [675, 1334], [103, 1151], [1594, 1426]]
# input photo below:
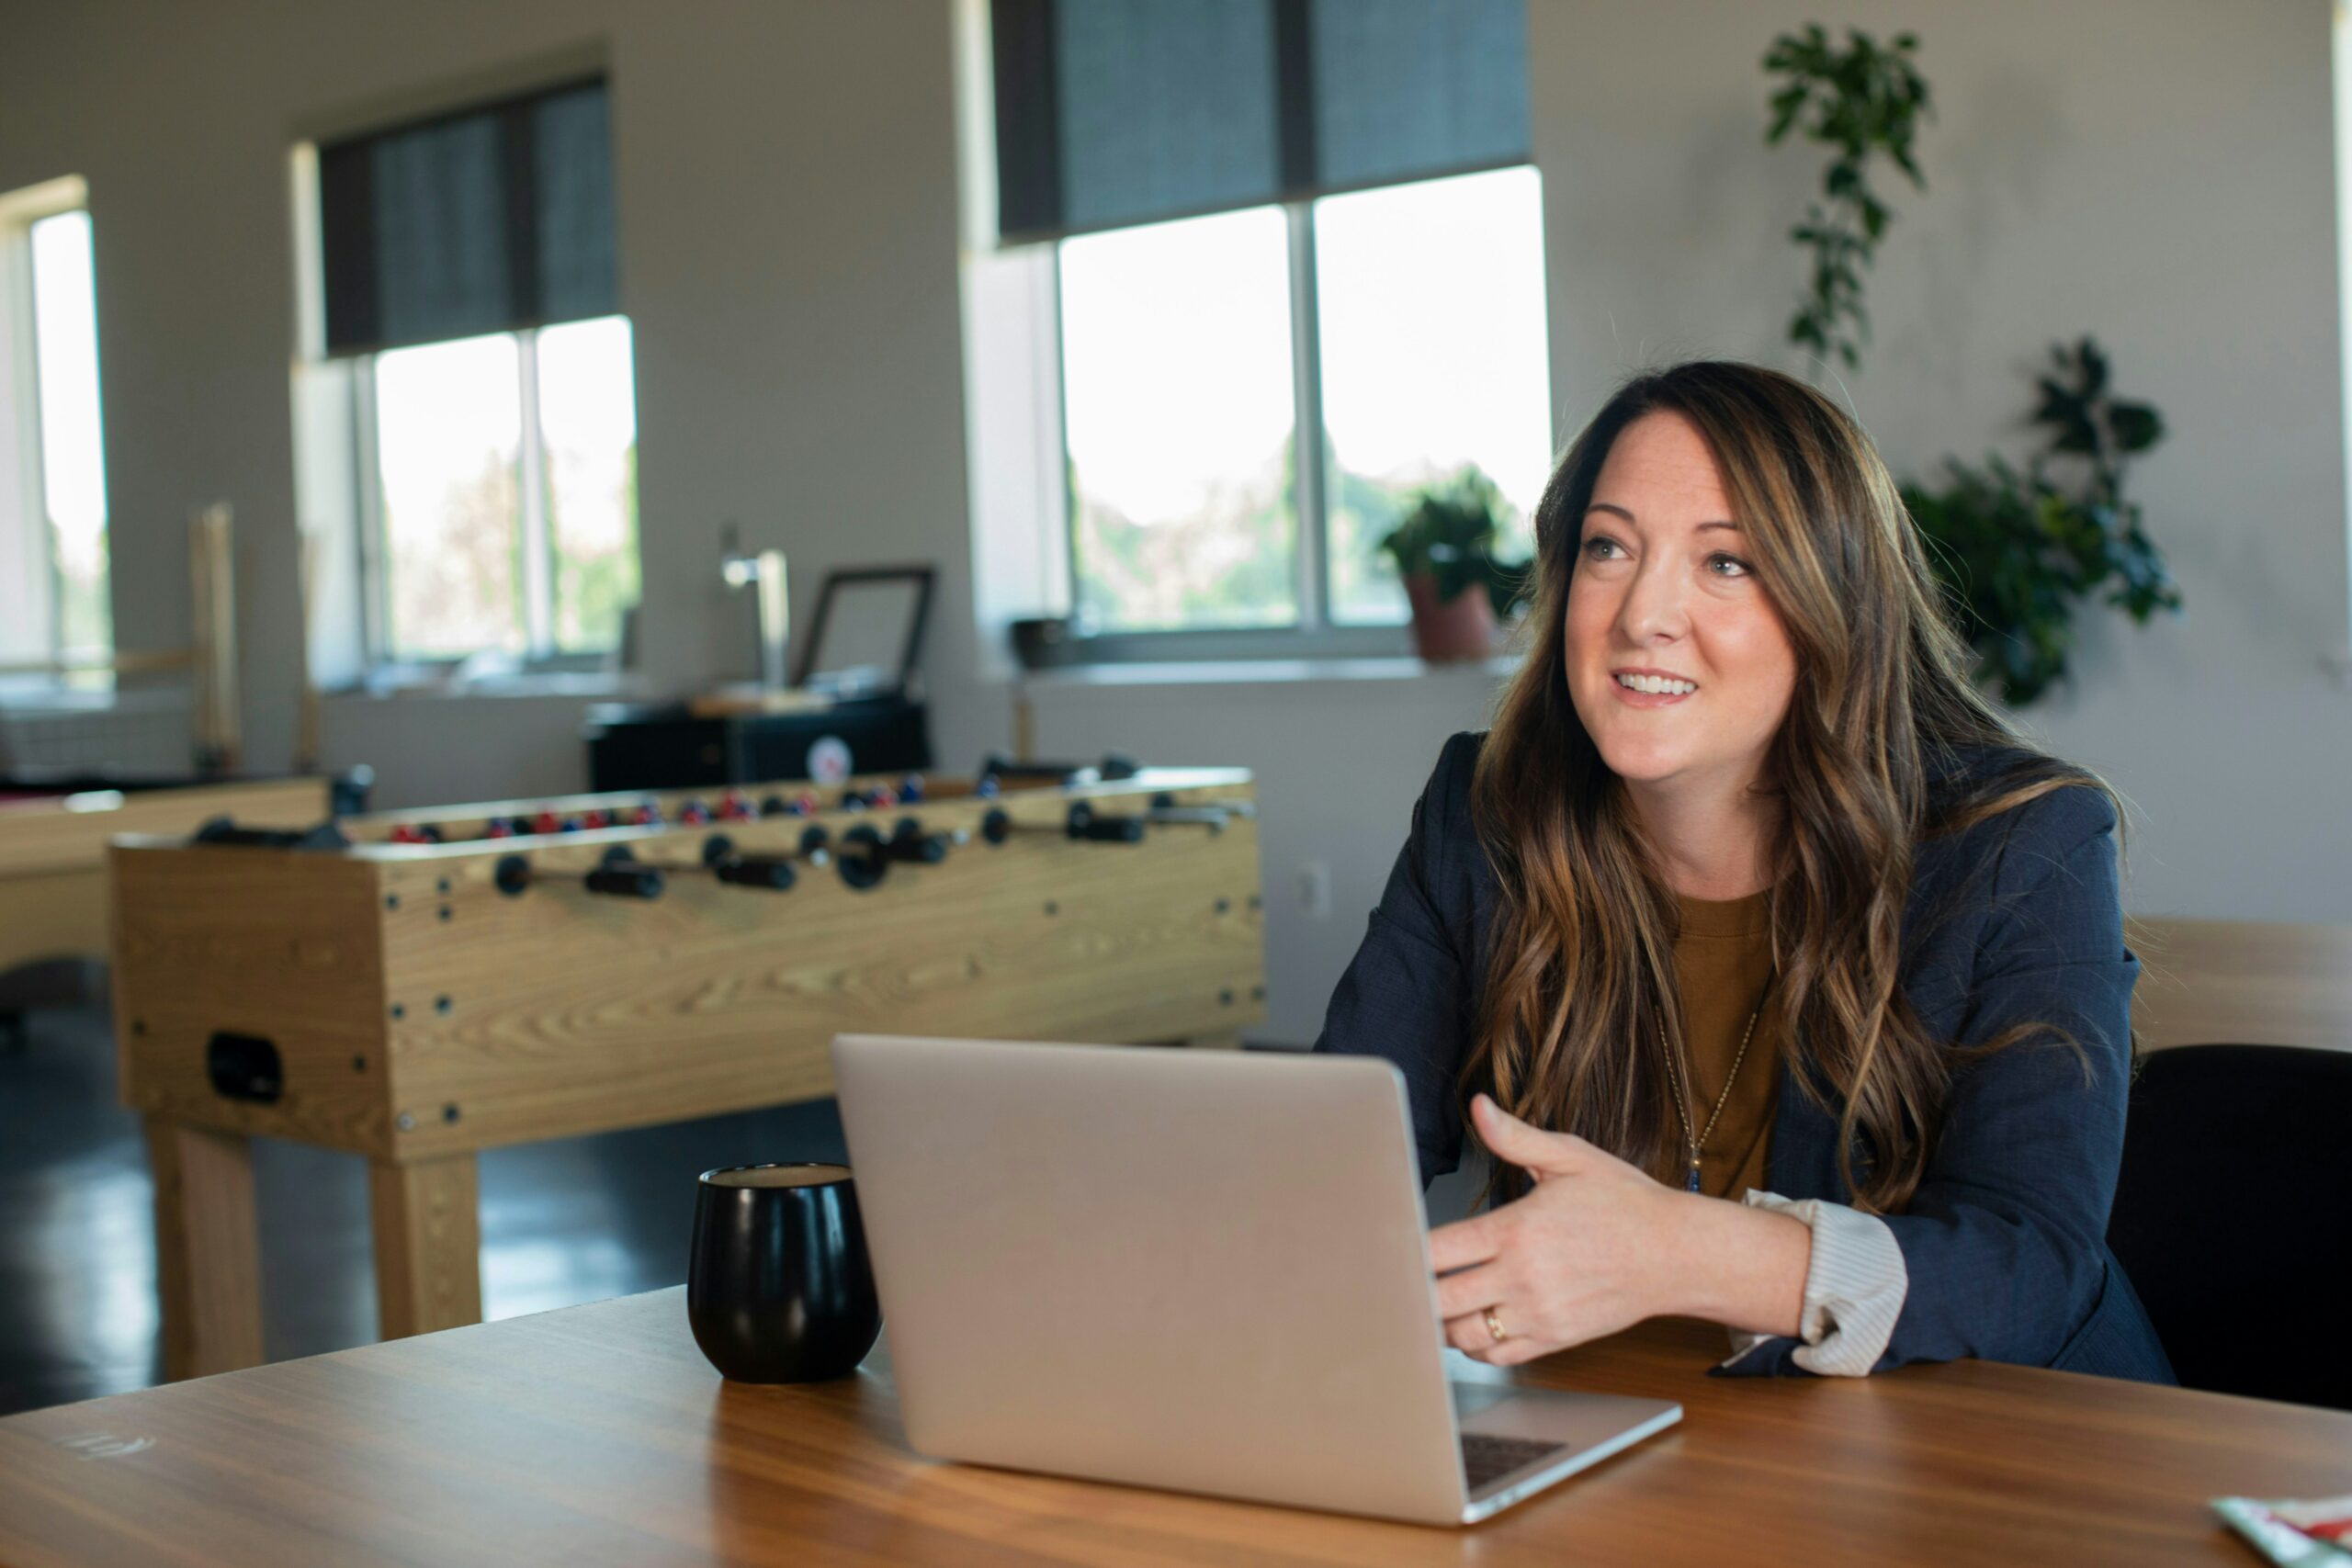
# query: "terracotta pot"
[[1463, 627]]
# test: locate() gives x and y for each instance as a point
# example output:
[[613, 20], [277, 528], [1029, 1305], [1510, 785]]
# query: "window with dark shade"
[[1112, 113], [472, 307], [490, 220], [1298, 280]]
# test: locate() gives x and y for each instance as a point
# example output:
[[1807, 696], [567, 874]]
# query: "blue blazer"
[[2016, 919]]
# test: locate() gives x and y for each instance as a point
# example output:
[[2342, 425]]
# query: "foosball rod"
[[515, 874], [1083, 822], [772, 874], [864, 855]]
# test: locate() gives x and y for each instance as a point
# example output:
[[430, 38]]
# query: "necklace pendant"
[[1691, 1182]]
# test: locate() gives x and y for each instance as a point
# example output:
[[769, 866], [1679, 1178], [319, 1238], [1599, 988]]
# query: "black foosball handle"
[[910, 842], [722, 861], [864, 858], [769, 873], [623, 882], [1084, 824], [614, 879]]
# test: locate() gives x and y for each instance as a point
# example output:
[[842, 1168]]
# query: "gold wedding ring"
[[1495, 1327]]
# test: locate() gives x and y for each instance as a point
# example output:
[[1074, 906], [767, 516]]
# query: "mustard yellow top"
[[1722, 959]]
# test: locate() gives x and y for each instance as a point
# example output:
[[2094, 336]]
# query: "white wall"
[[2162, 175]]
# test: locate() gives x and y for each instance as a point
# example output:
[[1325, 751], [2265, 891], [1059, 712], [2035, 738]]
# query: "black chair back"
[[2233, 1217]]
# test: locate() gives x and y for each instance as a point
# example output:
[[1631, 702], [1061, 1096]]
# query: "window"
[[1433, 355], [1177, 387], [1406, 321], [54, 615], [1296, 274], [504, 492], [468, 297]]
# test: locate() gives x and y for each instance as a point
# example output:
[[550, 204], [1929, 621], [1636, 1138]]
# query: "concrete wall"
[[2162, 176]]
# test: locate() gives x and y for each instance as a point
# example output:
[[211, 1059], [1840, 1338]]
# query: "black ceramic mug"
[[779, 1288]]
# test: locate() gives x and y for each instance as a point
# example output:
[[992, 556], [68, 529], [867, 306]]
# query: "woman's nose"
[[1652, 606]]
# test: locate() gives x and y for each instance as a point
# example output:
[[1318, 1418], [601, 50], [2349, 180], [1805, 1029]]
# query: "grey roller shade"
[[1116, 112], [1409, 88], [493, 219]]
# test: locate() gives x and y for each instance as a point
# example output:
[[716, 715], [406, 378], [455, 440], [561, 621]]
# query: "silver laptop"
[[1206, 1272]]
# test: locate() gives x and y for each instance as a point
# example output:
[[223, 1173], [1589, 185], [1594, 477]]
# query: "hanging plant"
[[2015, 551], [1863, 101]]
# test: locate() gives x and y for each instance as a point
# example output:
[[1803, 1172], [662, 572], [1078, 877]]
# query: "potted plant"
[[2017, 551], [1444, 553]]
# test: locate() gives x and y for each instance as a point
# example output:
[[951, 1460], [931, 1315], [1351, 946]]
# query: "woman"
[[1786, 987]]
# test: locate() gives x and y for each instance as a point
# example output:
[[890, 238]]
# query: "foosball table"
[[53, 847], [413, 988]]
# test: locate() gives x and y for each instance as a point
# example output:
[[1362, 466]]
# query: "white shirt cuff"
[[1854, 1288]]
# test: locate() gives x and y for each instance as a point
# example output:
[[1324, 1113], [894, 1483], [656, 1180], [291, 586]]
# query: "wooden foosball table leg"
[[427, 1217], [207, 1249]]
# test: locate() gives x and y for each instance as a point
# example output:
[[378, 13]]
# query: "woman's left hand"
[[1591, 1250]]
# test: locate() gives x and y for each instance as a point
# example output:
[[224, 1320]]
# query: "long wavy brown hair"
[[1872, 759]]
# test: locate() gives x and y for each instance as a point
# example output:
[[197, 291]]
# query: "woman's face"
[[1663, 587]]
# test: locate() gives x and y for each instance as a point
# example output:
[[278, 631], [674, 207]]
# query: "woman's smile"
[[1649, 699]]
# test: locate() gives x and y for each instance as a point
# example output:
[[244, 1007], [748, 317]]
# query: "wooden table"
[[53, 851], [599, 1435], [2242, 982]]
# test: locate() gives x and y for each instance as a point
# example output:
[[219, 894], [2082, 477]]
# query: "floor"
[[562, 1223]]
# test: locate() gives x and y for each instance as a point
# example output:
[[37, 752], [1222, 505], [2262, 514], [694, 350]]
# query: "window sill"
[[585, 686], [1265, 671], [32, 696]]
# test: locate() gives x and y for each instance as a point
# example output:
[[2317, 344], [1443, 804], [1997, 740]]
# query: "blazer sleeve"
[[1407, 993], [2003, 1242]]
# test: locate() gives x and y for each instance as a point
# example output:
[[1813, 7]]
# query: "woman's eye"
[[1739, 567], [1593, 547]]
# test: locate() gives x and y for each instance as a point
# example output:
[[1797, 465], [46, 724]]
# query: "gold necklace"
[[1683, 1091]]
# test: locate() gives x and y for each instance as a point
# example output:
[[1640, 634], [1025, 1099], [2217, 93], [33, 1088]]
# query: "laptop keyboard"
[[1485, 1458]]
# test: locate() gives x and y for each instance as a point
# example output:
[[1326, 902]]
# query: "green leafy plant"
[[1448, 533], [2016, 550], [1862, 101]]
